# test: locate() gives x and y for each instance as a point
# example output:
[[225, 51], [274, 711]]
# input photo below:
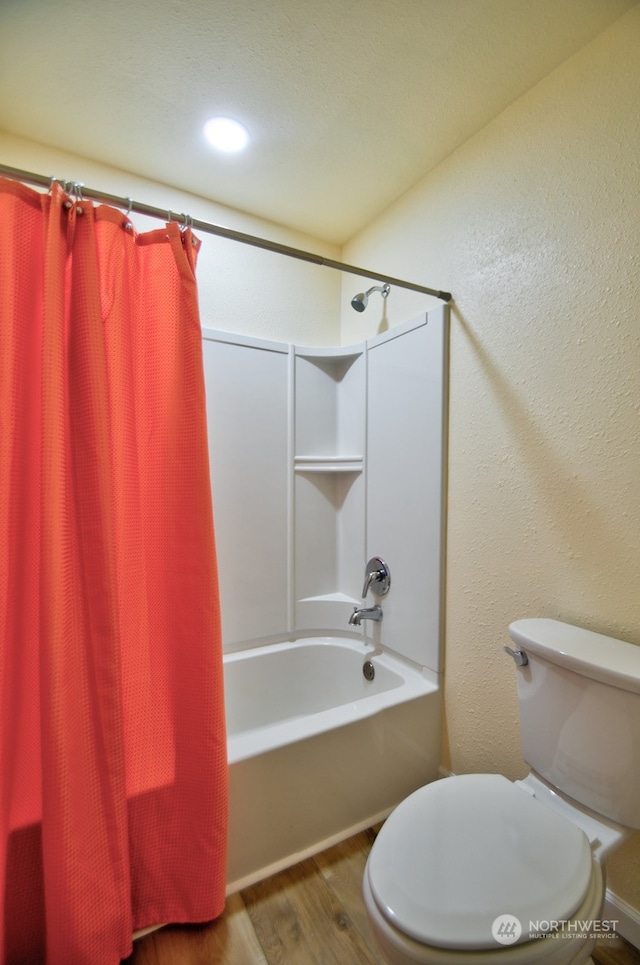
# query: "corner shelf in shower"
[[334, 464], [328, 442], [336, 597]]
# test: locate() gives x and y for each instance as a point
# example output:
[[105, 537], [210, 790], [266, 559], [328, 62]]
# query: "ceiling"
[[349, 102]]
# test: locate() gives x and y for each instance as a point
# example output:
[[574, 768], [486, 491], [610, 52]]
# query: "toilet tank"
[[579, 701]]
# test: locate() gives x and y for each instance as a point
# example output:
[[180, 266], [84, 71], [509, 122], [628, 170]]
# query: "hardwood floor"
[[311, 914]]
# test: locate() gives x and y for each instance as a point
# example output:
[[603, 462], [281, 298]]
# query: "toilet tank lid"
[[590, 654]]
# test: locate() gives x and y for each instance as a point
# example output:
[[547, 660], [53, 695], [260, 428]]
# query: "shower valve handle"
[[377, 577]]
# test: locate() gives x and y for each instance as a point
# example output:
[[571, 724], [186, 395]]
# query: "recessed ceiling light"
[[225, 134]]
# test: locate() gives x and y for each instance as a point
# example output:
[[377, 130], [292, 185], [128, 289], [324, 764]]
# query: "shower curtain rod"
[[212, 229]]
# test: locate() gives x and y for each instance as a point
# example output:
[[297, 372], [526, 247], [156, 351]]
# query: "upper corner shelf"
[[335, 353]]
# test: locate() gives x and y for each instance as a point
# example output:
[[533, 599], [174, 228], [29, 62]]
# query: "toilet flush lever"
[[519, 656]]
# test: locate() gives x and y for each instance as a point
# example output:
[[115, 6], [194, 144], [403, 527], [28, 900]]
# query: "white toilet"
[[478, 869]]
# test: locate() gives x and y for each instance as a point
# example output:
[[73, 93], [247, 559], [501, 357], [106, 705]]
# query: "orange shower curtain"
[[112, 740]]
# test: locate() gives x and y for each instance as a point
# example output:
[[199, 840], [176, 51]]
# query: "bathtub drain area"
[[368, 670]]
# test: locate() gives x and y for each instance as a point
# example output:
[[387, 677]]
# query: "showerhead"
[[359, 301]]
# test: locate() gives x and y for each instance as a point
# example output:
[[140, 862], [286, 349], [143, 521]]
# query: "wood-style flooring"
[[310, 914]]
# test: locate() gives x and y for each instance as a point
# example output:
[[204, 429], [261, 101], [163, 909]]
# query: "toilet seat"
[[461, 852], [399, 949]]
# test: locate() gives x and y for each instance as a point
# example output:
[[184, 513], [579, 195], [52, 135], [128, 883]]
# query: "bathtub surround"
[[322, 459], [340, 454]]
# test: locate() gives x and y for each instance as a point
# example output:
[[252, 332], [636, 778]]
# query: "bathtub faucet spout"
[[365, 613]]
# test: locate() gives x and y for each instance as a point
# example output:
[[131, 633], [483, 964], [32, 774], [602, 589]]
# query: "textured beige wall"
[[534, 225]]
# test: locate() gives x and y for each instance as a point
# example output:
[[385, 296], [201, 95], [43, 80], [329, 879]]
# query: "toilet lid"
[[461, 852]]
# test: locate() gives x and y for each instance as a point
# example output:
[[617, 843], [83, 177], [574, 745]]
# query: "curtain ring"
[[66, 187], [187, 222], [77, 190], [74, 188], [126, 223]]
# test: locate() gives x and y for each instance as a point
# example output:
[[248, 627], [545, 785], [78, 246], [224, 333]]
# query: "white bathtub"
[[316, 751]]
